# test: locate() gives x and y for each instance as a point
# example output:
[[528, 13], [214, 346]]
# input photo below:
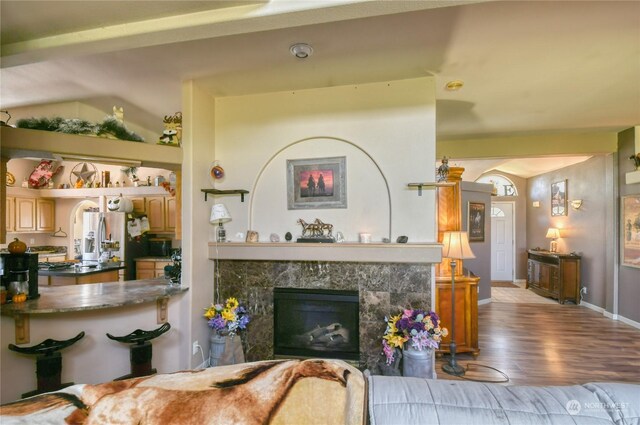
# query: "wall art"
[[317, 183], [559, 198], [630, 239]]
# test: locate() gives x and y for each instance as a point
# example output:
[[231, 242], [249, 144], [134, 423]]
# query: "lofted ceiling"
[[528, 67]]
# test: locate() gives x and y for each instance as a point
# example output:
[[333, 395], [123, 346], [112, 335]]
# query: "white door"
[[502, 244]]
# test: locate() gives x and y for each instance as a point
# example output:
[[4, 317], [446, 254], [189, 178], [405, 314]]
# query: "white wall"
[[384, 129]]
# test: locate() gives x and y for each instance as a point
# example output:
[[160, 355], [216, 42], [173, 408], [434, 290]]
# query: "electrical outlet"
[[195, 347], [32, 241]]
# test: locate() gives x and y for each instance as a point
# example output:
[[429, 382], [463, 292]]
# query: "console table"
[[554, 275]]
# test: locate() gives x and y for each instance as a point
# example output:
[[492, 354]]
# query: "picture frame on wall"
[[559, 198], [475, 223], [630, 222], [317, 183]]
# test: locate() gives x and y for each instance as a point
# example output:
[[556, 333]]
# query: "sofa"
[[322, 392], [395, 400]]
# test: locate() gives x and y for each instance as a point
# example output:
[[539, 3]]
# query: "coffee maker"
[[19, 274]]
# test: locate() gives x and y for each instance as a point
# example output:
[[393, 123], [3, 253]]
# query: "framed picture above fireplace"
[[317, 183]]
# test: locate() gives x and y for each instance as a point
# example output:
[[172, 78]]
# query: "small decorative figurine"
[[443, 170], [274, 237], [252, 236], [288, 237], [402, 239], [172, 134], [315, 232]]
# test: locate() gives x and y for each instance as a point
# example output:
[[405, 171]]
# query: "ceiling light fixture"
[[454, 85], [301, 50]]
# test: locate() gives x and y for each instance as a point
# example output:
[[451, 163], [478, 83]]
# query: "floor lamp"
[[455, 247]]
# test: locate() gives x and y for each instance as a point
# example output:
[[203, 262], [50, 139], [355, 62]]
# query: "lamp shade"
[[456, 246], [219, 214], [553, 233]]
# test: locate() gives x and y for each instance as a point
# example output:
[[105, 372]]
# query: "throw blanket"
[[397, 401], [270, 392]]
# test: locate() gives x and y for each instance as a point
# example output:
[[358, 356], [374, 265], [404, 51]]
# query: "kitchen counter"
[[80, 275], [73, 271], [153, 259], [93, 297]]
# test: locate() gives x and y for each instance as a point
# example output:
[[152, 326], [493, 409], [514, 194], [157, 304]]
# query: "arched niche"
[[368, 197]]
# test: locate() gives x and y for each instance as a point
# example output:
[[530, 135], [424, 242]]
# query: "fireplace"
[[316, 323]]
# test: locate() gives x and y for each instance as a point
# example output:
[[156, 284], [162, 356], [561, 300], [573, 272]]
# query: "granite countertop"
[[94, 296], [73, 271]]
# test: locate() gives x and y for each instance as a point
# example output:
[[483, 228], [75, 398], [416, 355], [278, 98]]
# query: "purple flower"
[[217, 322], [388, 351], [242, 323], [403, 324]]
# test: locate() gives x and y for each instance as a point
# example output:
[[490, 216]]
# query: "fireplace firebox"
[[316, 323]]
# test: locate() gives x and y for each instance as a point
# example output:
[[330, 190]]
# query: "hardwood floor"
[[551, 344]]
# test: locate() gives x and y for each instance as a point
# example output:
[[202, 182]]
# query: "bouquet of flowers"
[[227, 319], [418, 327]]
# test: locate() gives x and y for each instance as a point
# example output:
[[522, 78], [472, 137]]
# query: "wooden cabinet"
[[138, 204], [161, 212], [466, 313], [25, 215], [10, 215], [149, 269], [45, 215], [30, 215], [554, 275]]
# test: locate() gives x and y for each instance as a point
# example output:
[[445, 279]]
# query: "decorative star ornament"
[[85, 173]]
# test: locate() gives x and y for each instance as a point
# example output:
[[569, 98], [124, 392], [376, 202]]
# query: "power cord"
[[506, 377], [202, 354]]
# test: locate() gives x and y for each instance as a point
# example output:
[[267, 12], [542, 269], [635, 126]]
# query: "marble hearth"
[[384, 286]]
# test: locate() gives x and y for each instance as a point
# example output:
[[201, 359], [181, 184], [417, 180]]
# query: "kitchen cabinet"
[[554, 275], [10, 216], [161, 212], [25, 215], [150, 268], [45, 215], [32, 215], [138, 204]]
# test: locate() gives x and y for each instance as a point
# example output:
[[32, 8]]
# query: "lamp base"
[[453, 369], [553, 246], [221, 234]]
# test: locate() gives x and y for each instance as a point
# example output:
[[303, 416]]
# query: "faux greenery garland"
[[110, 126]]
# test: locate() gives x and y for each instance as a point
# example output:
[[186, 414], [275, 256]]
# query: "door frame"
[[513, 236]]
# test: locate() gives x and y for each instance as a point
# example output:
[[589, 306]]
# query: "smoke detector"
[[301, 50]]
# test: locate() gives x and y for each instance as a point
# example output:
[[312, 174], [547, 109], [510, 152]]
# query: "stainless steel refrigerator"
[[104, 235]]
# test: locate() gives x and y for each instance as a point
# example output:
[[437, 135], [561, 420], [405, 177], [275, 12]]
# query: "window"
[[496, 212], [502, 186]]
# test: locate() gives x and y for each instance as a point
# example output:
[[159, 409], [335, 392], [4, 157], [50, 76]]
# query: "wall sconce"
[[553, 234], [576, 204]]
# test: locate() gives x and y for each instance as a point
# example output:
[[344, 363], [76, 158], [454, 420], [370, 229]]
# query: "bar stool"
[[48, 363], [140, 351]]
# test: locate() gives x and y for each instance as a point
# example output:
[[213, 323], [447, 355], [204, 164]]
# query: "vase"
[[225, 350], [418, 363]]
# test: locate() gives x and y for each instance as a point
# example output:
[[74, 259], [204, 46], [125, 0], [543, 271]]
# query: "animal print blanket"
[[270, 392]]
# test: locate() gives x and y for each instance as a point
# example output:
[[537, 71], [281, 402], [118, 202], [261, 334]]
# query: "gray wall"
[[481, 265], [582, 231], [628, 277]]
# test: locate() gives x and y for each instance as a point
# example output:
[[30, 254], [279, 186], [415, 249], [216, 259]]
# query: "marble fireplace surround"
[[388, 278]]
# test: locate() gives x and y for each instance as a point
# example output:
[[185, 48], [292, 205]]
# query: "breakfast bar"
[[117, 308]]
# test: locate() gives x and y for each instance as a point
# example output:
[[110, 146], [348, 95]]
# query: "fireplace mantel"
[[346, 252]]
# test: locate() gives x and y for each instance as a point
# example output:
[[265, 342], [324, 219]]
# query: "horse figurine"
[[325, 226], [314, 229]]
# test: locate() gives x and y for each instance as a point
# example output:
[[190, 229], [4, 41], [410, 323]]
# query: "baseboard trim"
[[611, 316], [485, 301], [520, 281], [629, 321], [593, 307]]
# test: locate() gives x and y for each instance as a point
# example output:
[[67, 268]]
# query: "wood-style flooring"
[[551, 344]]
